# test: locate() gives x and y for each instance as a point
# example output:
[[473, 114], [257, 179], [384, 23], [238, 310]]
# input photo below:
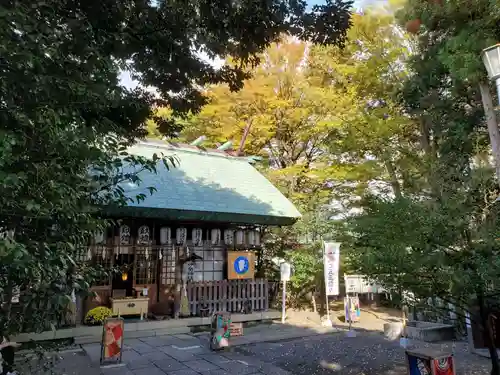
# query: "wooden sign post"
[[236, 329], [285, 271]]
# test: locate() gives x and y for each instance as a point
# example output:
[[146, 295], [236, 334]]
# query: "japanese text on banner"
[[331, 259]]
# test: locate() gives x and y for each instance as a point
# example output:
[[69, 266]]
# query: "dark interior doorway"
[[125, 263]]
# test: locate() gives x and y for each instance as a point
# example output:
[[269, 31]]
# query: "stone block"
[[137, 334], [236, 367], [172, 331], [149, 371], [170, 364], [155, 356], [216, 359], [201, 365], [140, 363], [184, 372], [119, 370], [430, 332], [130, 356], [93, 351], [81, 340], [180, 355], [392, 331]]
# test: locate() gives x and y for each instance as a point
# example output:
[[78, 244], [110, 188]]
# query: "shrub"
[[97, 315], [307, 274]]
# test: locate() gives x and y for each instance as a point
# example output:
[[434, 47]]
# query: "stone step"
[[92, 339]]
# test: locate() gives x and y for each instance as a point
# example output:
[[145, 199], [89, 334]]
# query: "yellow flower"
[[97, 315]]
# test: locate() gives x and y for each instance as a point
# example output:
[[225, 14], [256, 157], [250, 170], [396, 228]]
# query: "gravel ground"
[[367, 354]]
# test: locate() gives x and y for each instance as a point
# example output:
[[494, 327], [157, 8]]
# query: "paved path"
[[180, 355], [300, 349], [171, 355]]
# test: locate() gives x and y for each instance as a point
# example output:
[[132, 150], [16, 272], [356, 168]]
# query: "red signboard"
[[444, 366], [112, 340], [236, 329]]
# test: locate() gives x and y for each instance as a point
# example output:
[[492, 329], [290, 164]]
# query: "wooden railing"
[[274, 289], [228, 295]]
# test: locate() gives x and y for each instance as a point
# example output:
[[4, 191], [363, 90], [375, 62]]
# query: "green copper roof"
[[207, 186]]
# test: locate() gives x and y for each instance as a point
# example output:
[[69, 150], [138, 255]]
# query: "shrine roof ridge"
[[186, 147]]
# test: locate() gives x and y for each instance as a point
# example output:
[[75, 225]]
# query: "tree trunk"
[[396, 187], [429, 147], [425, 137], [6, 309], [488, 335], [244, 138], [491, 121]]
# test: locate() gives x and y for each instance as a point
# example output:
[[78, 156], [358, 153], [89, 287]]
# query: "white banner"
[[331, 260]]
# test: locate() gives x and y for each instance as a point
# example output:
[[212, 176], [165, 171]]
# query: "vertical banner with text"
[[331, 259]]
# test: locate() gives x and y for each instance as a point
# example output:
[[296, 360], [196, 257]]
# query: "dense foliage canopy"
[[383, 140], [441, 240], [327, 124], [63, 110], [385, 145]]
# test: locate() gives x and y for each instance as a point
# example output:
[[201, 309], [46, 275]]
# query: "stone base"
[[405, 342], [93, 334], [351, 333], [430, 332], [393, 331], [326, 323]]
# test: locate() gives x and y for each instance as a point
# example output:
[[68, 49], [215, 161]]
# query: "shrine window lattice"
[[146, 265], [167, 264], [144, 260], [102, 257]]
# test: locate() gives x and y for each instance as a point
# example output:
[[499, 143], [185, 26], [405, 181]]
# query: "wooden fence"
[[228, 295]]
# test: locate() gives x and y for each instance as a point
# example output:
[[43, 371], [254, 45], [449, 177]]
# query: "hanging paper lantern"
[[181, 236], [143, 235], [256, 238], [215, 236], [165, 236], [124, 235], [228, 237], [251, 238], [240, 237], [197, 237], [99, 237]]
